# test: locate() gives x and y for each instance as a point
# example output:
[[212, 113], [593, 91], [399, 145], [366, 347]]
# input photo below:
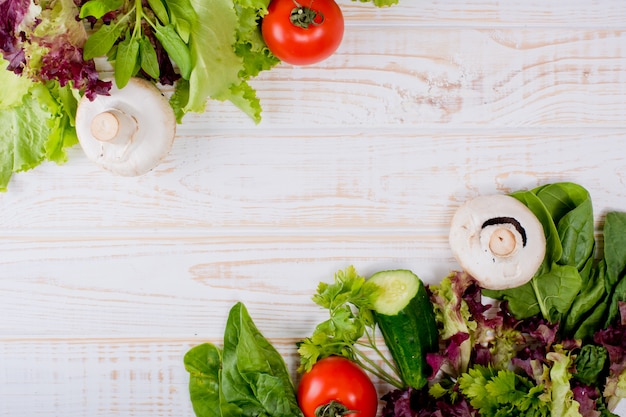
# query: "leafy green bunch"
[[351, 328], [572, 287], [130, 33]]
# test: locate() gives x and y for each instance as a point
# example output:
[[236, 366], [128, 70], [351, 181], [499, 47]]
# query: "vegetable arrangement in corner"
[[555, 344], [205, 49]]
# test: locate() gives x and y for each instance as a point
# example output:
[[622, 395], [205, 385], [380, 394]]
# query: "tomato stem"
[[303, 16], [333, 409]]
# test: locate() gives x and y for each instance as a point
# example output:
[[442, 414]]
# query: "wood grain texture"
[[597, 14], [105, 282], [319, 179], [446, 77]]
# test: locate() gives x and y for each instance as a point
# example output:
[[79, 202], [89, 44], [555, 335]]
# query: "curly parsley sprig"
[[351, 328]]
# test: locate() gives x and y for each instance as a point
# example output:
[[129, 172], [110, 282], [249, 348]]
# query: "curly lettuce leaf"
[[44, 41], [14, 16], [563, 403], [37, 124], [227, 50]]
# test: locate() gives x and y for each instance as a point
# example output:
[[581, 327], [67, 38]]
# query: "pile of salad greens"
[[553, 347], [205, 49]]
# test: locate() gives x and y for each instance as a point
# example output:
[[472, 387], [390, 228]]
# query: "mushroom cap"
[[129, 131], [498, 241]]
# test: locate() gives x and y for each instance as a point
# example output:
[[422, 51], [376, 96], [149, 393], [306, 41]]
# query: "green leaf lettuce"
[[37, 124], [226, 51]]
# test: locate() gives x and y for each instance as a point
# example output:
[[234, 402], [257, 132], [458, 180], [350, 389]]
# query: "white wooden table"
[[106, 282]]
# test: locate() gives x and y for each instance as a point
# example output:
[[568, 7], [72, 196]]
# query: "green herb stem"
[[368, 364], [138, 16], [371, 344], [540, 302]]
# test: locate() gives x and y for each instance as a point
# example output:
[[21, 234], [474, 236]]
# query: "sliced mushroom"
[[498, 241], [128, 132]]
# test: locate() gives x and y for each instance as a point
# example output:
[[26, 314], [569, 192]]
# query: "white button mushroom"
[[498, 241], [128, 132]]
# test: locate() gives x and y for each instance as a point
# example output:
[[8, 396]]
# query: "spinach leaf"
[[160, 11], [570, 207], [255, 376], [591, 364], [101, 41], [203, 362], [593, 321], [565, 211], [521, 301], [554, 250], [183, 16], [588, 300], [126, 60], [615, 256], [98, 8], [148, 58], [556, 291], [248, 378], [615, 246], [176, 48]]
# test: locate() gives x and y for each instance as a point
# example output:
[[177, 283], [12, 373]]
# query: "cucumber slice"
[[398, 289]]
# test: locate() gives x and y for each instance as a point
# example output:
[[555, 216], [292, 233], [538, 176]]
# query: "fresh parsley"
[[350, 330]]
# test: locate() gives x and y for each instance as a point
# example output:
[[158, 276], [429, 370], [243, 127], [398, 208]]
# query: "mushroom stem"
[[502, 242], [113, 125]]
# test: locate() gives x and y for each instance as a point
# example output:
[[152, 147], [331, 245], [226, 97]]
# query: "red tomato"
[[341, 380], [302, 32]]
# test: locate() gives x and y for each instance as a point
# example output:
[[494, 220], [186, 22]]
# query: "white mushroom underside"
[[483, 250], [147, 128]]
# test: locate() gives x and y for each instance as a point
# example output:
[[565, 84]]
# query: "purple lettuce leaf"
[[12, 14]]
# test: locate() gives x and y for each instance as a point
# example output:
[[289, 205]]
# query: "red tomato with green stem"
[[302, 32], [336, 386]]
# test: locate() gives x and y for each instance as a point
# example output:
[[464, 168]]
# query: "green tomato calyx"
[[333, 409], [303, 16]]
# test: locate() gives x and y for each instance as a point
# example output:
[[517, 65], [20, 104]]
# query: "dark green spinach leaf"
[[248, 378], [203, 362], [255, 376]]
